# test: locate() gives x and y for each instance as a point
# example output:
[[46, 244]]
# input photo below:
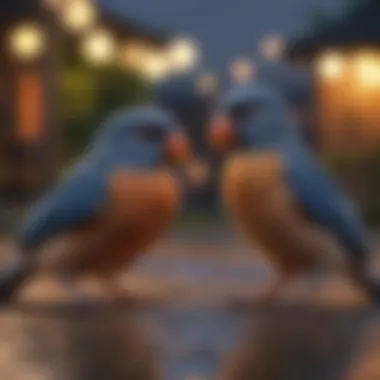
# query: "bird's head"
[[145, 136], [250, 115]]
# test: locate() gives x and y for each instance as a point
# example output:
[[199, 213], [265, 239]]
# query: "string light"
[[78, 15], [330, 65], [99, 47], [183, 54], [155, 66], [27, 41], [368, 70]]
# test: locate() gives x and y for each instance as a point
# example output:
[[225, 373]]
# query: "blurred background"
[[66, 64]]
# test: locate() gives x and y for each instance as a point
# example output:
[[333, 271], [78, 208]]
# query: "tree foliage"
[[88, 95]]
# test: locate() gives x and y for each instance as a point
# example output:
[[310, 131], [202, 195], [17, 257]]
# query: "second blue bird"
[[282, 197]]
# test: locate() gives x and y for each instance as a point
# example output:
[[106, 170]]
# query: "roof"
[[122, 25], [357, 27]]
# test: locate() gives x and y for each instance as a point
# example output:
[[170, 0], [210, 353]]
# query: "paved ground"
[[190, 332]]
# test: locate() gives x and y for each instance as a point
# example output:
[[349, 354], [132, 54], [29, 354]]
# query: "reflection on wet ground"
[[177, 343], [109, 343], [190, 333], [304, 345], [64, 344]]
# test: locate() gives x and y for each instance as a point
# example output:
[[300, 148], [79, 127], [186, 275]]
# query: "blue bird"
[[116, 201], [280, 194]]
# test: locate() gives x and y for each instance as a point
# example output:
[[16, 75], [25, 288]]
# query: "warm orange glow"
[[29, 107], [368, 69], [348, 93], [333, 99]]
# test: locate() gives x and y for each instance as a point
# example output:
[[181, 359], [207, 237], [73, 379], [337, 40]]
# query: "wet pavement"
[[188, 343], [188, 328]]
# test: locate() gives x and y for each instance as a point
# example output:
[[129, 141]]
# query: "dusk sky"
[[225, 28]]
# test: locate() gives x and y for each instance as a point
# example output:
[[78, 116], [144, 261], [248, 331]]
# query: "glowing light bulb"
[[99, 47], [78, 15], [330, 65], [27, 41], [155, 66], [368, 70], [184, 54]]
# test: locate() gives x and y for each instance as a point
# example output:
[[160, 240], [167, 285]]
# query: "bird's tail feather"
[[13, 277]]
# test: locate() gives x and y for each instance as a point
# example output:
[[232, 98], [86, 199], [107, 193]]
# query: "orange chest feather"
[[255, 193], [142, 199], [252, 182], [139, 208]]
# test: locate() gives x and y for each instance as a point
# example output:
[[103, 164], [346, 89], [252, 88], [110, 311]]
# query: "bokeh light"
[[132, 54], [155, 66], [272, 47], [78, 15], [99, 47], [368, 69], [184, 54], [330, 65], [27, 41]]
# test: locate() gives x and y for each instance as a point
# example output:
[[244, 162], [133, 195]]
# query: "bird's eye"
[[243, 111], [151, 133]]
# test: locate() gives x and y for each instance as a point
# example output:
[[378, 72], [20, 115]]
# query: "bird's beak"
[[178, 147], [221, 132]]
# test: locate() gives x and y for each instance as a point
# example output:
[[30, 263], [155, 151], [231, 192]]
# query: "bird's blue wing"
[[322, 201], [76, 201]]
